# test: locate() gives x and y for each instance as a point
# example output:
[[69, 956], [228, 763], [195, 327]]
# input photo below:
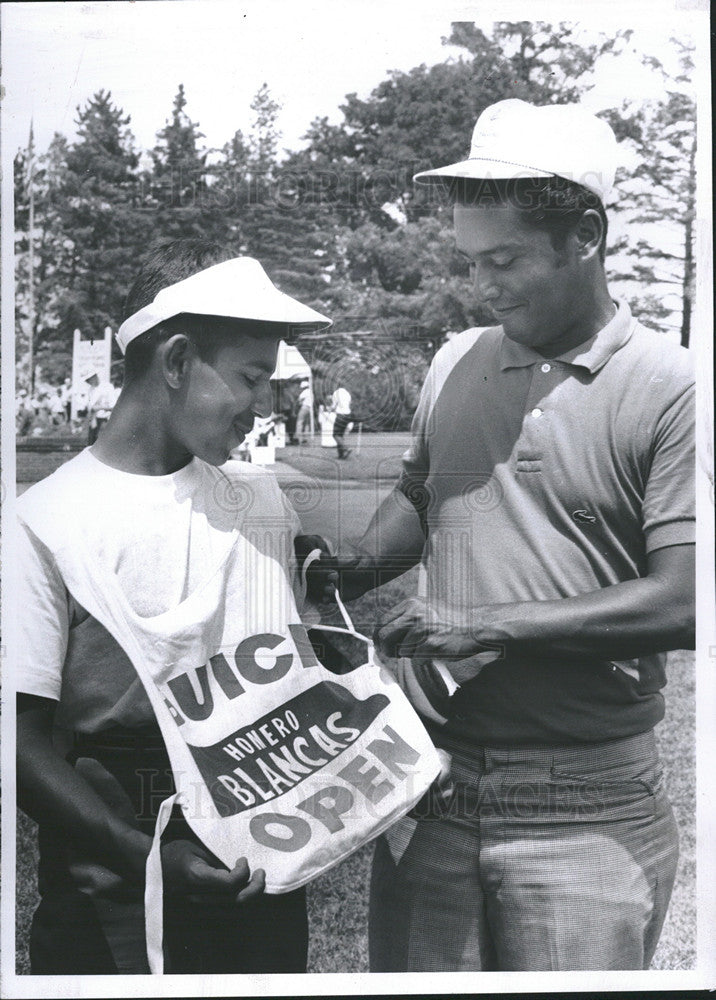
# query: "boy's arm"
[[51, 791]]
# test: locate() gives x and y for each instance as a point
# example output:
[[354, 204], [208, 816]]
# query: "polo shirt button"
[[536, 412], [546, 368]]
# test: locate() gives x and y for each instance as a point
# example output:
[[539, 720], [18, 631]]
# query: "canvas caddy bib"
[[274, 757]]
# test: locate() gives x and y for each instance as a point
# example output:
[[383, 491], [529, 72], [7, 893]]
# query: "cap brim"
[[479, 169], [237, 289]]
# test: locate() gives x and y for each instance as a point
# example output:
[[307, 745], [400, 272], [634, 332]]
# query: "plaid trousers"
[[544, 858]]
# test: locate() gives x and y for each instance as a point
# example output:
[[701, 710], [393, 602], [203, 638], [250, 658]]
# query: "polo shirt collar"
[[593, 354]]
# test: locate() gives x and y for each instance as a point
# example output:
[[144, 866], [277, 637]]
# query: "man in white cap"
[[548, 493], [200, 337]]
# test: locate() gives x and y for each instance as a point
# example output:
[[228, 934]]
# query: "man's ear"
[[588, 234], [175, 355]]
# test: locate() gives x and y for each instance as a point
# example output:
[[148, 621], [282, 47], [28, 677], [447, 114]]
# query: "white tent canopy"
[[290, 364]]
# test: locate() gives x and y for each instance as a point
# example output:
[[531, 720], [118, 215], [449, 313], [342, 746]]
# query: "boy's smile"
[[215, 407]]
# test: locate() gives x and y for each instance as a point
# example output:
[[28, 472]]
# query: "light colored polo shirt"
[[544, 479]]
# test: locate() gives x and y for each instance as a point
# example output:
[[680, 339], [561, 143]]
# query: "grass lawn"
[[375, 456], [338, 900]]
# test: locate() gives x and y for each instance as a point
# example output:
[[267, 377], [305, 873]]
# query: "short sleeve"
[[669, 499], [43, 618], [416, 460]]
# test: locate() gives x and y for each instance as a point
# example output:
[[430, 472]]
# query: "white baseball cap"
[[514, 139], [235, 289]]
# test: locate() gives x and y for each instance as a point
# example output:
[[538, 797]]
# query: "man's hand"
[[419, 628], [650, 614], [322, 575], [188, 869]]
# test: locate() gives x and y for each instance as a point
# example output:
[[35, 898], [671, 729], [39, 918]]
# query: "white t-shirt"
[[341, 401], [162, 534]]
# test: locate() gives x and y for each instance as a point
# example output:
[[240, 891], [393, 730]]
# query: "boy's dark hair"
[[167, 263], [553, 204]]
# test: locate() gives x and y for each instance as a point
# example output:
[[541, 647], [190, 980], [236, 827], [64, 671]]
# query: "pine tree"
[[94, 212], [178, 179], [657, 202], [228, 192], [36, 180], [273, 219], [264, 137]]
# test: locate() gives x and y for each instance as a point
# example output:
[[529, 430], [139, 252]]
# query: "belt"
[[118, 741]]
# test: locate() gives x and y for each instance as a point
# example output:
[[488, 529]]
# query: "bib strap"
[[312, 557], [154, 890]]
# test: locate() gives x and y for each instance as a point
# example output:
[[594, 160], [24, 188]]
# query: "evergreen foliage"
[[339, 223]]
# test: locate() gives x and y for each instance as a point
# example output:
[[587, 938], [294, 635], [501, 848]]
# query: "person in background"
[[102, 398], [66, 393], [305, 412], [57, 408], [24, 413], [341, 406]]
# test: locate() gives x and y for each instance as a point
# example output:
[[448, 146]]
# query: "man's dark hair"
[[167, 263], [553, 204]]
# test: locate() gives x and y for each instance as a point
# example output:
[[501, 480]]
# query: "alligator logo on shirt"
[[584, 517]]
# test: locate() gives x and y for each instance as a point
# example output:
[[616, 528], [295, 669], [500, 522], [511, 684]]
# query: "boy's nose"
[[263, 402]]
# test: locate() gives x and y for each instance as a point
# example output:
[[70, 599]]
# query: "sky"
[[311, 54]]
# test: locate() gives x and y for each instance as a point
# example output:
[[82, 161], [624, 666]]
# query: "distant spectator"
[[81, 394], [66, 391], [57, 408], [24, 413], [101, 402], [341, 406], [304, 421]]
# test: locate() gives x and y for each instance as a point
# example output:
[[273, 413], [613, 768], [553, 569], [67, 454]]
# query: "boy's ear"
[[589, 234], [176, 355]]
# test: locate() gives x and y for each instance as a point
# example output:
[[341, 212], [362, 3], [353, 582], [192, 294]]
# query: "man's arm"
[[50, 790], [623, 621], [391, 545]]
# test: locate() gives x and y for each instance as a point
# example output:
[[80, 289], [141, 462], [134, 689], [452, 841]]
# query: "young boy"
[[200, 339]]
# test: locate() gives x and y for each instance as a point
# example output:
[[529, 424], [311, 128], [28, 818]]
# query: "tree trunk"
[[688, 281]]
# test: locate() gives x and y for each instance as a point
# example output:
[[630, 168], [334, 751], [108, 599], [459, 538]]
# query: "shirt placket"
[[536, 423]]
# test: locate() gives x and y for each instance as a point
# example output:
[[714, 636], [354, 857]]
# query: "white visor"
[[235, 289]]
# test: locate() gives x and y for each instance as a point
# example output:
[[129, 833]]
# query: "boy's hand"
[[189, 869], [322, 575]]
